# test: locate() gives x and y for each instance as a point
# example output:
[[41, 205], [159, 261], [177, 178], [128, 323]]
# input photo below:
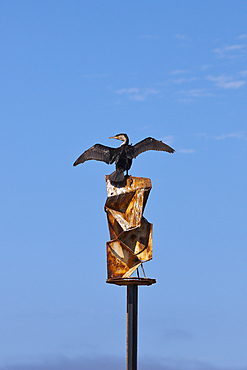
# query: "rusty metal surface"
[[120, 259], [132, 184], [127, 208], [139, 240], [130, 232]]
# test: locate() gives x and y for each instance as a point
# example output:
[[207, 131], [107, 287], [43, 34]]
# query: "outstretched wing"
[[97, 152], [151, 144]]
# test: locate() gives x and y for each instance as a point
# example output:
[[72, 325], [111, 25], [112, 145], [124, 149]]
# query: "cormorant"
[[123, 155]]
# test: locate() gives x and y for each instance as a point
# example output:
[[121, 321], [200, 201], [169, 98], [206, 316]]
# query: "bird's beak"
[[113, 137]]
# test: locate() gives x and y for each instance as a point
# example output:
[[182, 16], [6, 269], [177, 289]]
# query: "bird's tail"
[[117, 176]]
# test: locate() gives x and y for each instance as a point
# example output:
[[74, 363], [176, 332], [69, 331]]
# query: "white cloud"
[[236, 135], [182, 80], [178, 71], [205, 66], [191, 96], [132, 90], [240, 135], [181, 37], [241, 37], [230, 51], [136, 93], [226, 82], [234, 47], [187, 151], [179, 80], [196, 93], [243, 73], [203, 135], [149, 37]]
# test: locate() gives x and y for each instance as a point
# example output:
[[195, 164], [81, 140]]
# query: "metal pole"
[[132, 308]]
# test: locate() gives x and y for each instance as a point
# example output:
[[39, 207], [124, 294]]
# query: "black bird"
[[123, 155]]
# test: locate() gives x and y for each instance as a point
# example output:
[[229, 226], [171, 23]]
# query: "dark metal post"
[[132, 309]]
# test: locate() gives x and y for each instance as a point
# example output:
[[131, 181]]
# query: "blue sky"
[[72, 74]]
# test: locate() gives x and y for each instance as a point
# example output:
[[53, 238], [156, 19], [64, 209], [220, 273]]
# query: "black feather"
[[123, 155], [151, 144], [97, 152]]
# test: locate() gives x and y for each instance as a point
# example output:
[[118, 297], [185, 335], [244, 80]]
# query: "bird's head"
[[122, 137]]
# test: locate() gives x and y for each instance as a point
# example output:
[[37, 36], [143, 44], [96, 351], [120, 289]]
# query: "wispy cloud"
[[205, 66], [149, 37], [240, 135], [181, 37], [179, 80], [192, 95], [196, 93], [186, 151], [178, 71], [226, 82], [230, 51], [243, 73], [132, 90], [241, 37], [136, 93], [183, 80], [187, 85], [203, 135]]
